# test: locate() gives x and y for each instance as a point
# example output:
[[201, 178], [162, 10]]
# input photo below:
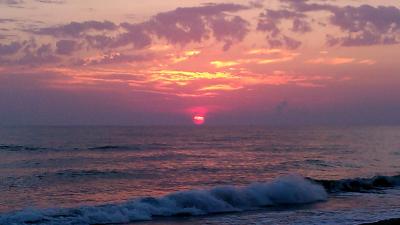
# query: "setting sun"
[[198, 120]]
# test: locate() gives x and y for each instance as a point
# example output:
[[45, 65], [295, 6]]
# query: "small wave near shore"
[[283, 191], [287, 190]]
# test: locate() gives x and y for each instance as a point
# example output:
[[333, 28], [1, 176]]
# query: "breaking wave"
[[283, 191], [288, 190]]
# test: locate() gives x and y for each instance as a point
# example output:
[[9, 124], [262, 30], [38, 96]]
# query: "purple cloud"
[[367, 25], [98, 41], [270, 21], [363, 25], [194, 24], [180, 26], [301, 26], [75, 29], [284, 41], [29, 53], [66, 47], [9, 49], [44, 54], [136, 35], [230, 30]]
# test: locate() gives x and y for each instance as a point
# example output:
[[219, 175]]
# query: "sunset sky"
[[128, 62]]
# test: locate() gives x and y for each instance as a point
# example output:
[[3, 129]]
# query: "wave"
[[286, 190], [106, 147], [20, 148], [69, 175], [89, 173], [359, 184], [151, 146]]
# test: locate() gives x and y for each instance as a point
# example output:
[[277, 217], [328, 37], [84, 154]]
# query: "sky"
[[128, 62]]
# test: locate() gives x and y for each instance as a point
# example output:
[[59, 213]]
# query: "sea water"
[[199, 175]]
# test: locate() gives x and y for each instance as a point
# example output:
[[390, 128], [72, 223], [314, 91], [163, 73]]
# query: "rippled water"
[[83, 168]]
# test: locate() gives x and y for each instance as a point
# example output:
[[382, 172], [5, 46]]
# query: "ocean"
[[199, 175]]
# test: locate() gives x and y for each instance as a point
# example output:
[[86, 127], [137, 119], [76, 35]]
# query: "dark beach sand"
[[385, 222]]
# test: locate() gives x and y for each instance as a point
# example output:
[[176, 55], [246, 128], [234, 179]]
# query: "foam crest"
[[221, 199]]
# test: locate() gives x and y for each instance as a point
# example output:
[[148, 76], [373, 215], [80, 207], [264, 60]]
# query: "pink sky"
[[233, 62]]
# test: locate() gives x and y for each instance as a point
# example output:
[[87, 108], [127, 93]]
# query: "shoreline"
[[393, 221]]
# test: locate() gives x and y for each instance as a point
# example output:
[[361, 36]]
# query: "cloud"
[[115, 57], [179, 27], [222, 64], [340, 61], [136, 35], [304, 6], [27, 53], [184, 56], [124, 77], [301, 26], [11, 2], [229, 30], [256, 56], [331, 61], [51, 1], [220, 87], [367, 62], [9, 49], [363, 25], [44, 54], [178, 75], [194, 24], [98, 41], [66, 47], [284, 41], [75, 29], [19, 2], [367, 25], [182, 26], [7, 20], [270, 21], [257, 3]]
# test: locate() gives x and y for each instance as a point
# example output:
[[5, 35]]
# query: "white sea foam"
[[282, 191]]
